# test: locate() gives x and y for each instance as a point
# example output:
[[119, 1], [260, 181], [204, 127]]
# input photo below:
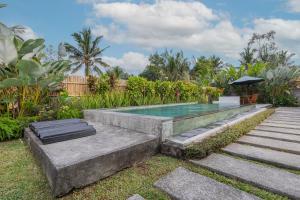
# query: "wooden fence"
[[78, 85]]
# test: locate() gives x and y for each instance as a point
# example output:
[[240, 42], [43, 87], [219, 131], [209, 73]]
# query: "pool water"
[[177, 110]]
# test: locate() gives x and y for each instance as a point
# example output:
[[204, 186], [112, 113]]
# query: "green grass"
[[21, 178], [215, 143]]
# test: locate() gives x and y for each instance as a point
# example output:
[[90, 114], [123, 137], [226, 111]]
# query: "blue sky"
[[135, 29]]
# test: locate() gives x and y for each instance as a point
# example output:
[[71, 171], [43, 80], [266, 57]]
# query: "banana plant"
[[280, 81], [33, 78]]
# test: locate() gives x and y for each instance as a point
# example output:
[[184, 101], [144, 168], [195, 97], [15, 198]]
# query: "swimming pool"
[[165, 120], [176, 111]]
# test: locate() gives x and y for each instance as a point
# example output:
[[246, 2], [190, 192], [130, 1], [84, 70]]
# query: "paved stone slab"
[[279, 158], [136, 197], [278, 129], [182, 184], [281, 125], [273, 179], [290, 147], [282, 121], [293, 119], [274, 135]]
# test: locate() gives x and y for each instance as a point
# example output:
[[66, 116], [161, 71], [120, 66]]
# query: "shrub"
[[223, 139], [13, 128], [9, 128], [66, 112]]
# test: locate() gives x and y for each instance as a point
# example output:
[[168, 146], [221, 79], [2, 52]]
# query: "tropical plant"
[[176, 66], [279, 82], [114, 75], [152, 73], [87, 54], [32, 79], [206, 69]]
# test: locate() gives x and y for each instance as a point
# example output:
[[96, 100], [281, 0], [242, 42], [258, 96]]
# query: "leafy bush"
[[66, 112], [13, 128], [9, 128], [230, 135]]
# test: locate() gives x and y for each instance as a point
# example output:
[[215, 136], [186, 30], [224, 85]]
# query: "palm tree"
[[87, 54]]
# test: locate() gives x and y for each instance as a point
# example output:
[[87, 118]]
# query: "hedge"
[[232, 134]]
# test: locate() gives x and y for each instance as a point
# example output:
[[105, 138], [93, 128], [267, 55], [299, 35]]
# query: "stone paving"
[[274, 135], [275, 142], [273, 179], [278, 158], [183, 184], [136, 197]]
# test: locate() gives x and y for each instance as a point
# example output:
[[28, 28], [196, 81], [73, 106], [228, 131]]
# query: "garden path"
[[267, 157]]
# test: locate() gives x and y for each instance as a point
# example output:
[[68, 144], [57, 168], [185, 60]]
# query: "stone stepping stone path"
[[279, 145], [278, 129], [182, 184], [282, 125], [136, 197], [278, 158], [273, 179], [274, 135], [281, 121]]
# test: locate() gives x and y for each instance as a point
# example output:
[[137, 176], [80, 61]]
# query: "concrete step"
[[279, 145], [282, 125], [278, 158], [278, 129], [274, 135], [182, 184], [272, 179]]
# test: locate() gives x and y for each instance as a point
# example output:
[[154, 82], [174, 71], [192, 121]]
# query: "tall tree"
[[87, 54], [176, 66], [247, 57]]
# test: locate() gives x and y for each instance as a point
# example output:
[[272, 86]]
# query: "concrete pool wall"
[[156, 125]]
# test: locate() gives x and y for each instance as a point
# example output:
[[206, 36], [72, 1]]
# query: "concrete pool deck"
[[79, 162]]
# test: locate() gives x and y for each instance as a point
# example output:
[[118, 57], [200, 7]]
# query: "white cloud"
[[293, 5], [287, 31], [187, 25], [132, 62], [167, 24]]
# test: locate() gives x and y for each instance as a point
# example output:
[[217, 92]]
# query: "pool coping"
[[163, 127]]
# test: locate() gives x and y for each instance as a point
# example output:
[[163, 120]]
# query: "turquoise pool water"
[[177, 110]]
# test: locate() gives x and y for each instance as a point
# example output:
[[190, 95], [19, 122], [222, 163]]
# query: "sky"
[[135, 29]]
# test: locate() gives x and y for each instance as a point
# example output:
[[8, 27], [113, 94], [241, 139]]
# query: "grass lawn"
[[21, 178]]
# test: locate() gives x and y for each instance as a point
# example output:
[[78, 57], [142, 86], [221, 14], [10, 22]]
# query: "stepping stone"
[[285, 118], [182, 184], [280, 125], [283, 122], [274, 135], [136, 197], [278, 129], [279, 158], [273, 179], [290, 147]]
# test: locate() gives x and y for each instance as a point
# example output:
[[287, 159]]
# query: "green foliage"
[[13, 128], [87, 54], [66, 112], [278, 85], [215, 143], [9, 128], [167, 66]]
